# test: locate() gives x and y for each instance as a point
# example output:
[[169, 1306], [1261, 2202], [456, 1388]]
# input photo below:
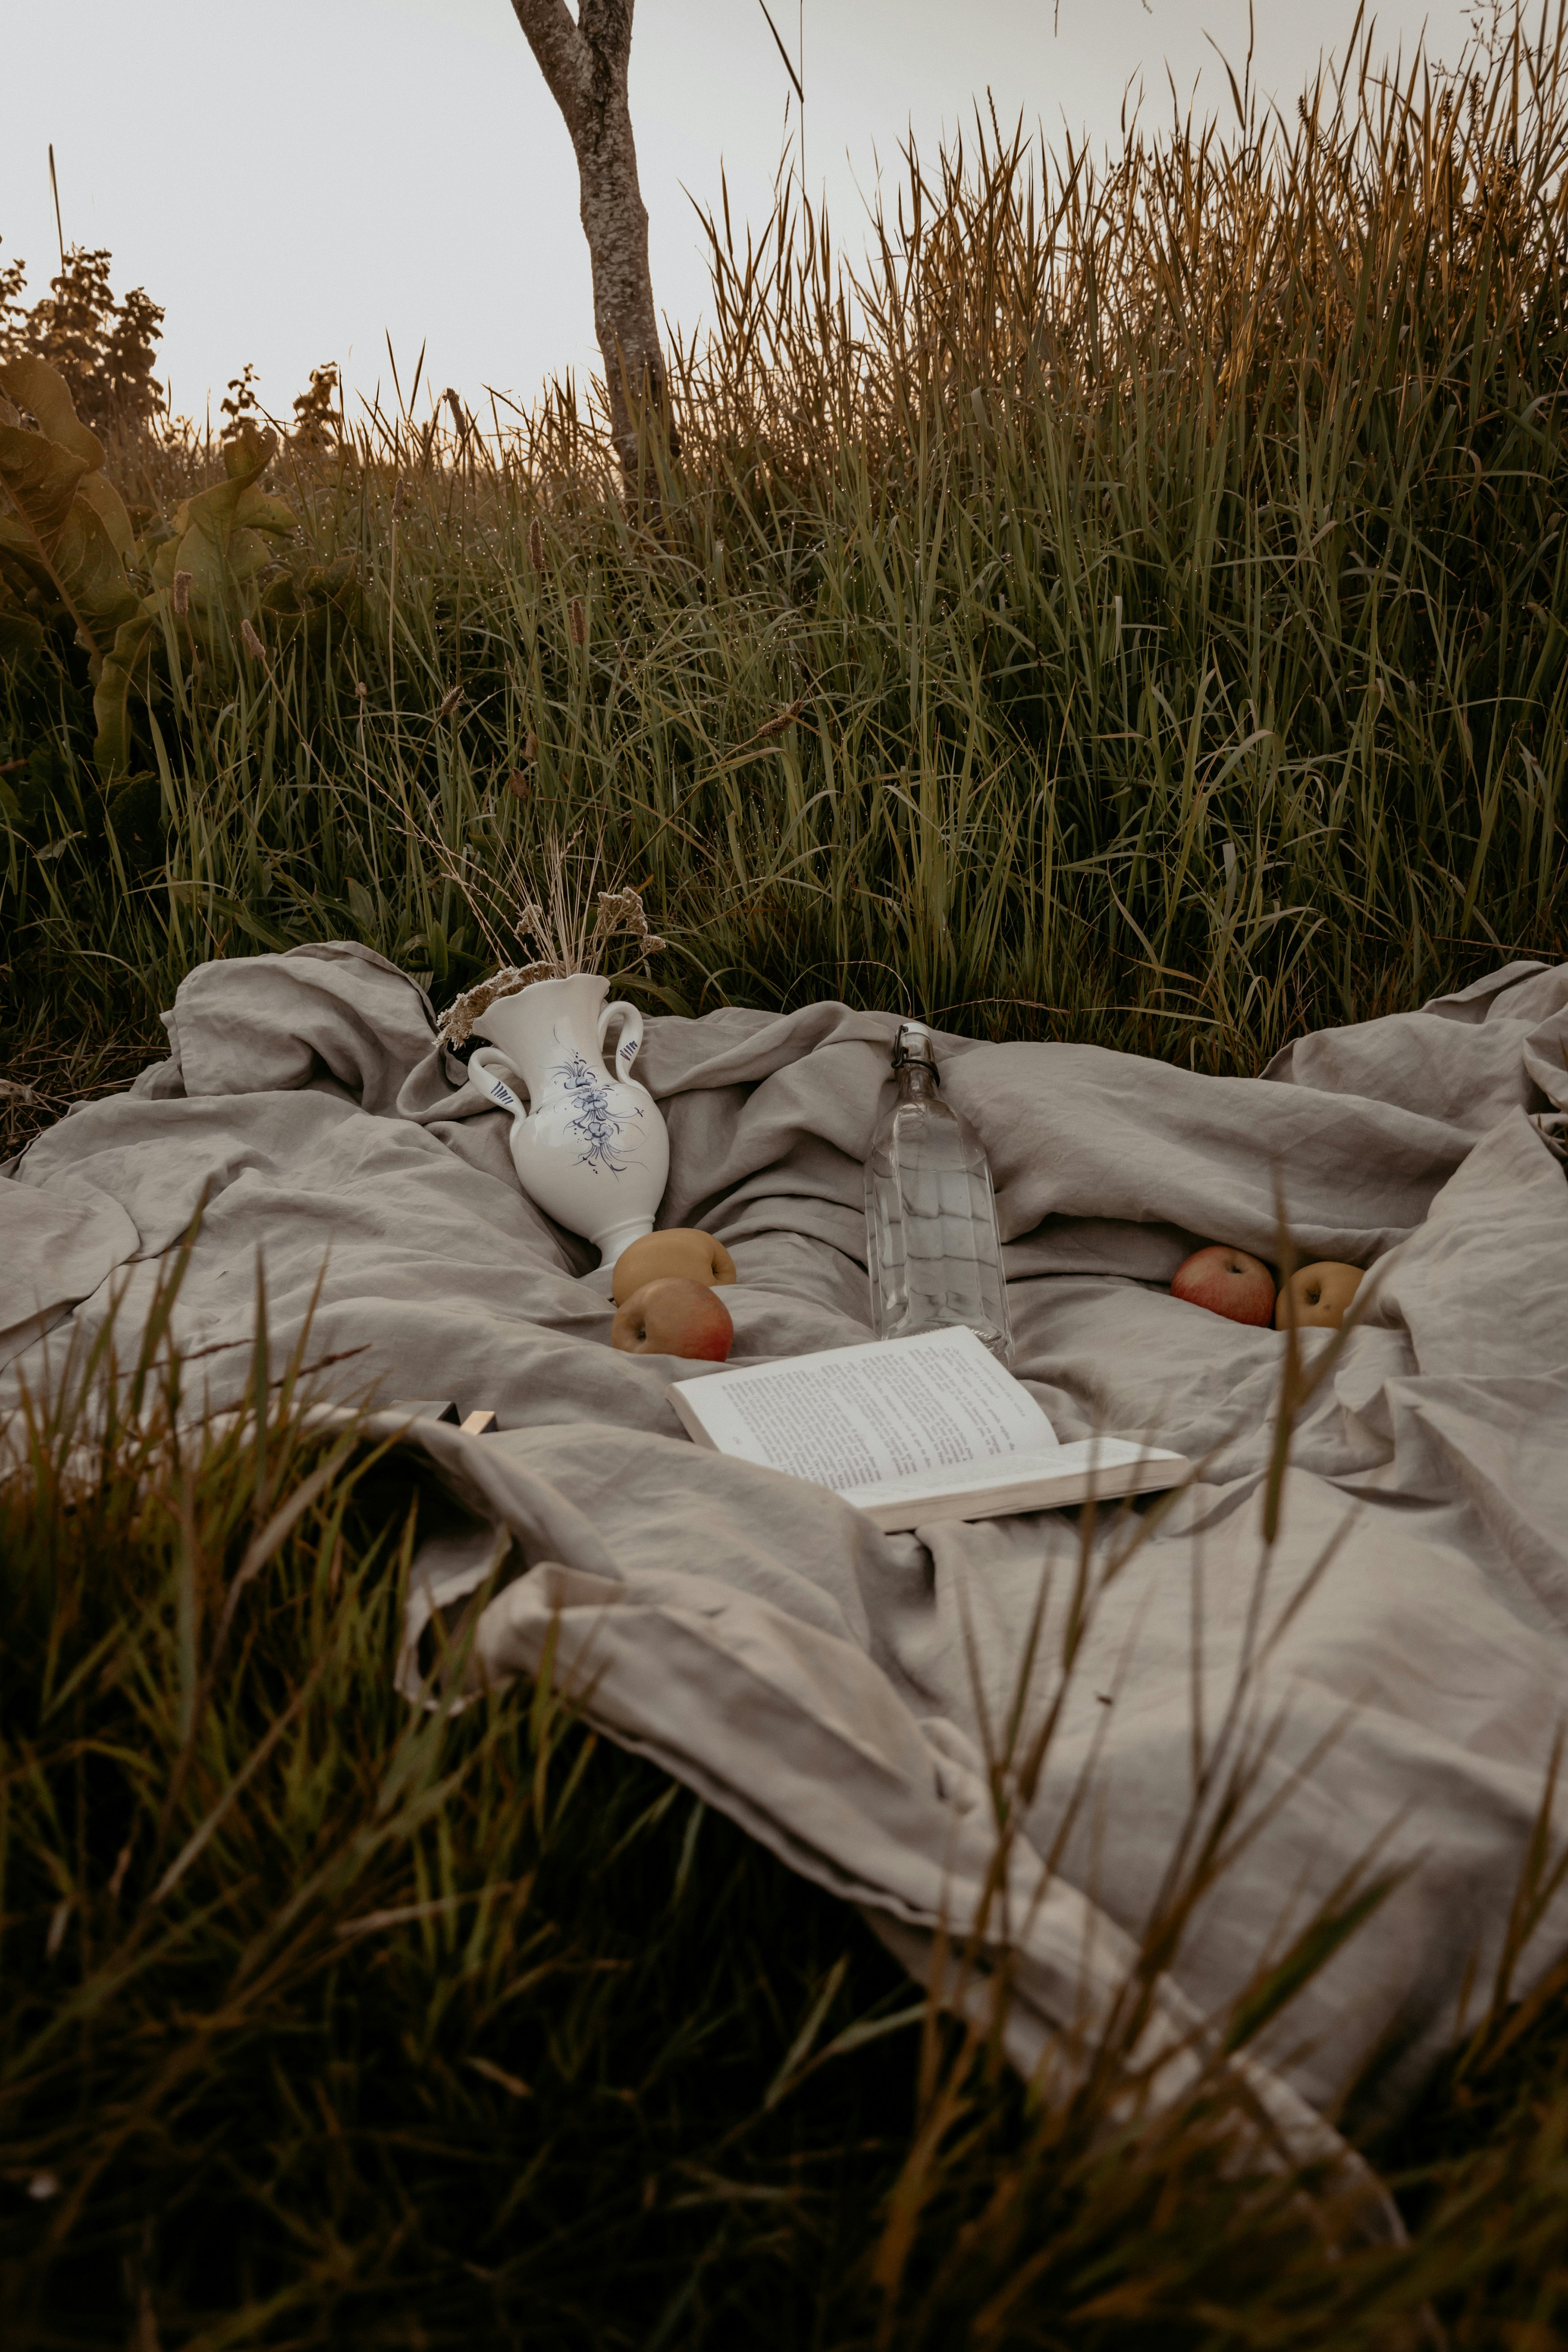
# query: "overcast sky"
[[296, 183]]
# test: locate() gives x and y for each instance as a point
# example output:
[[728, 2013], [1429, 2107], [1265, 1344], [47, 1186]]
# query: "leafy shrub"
[[103, 349], [69, 563], [67, 540]]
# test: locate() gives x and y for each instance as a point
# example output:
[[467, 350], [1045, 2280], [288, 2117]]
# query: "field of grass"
[[1163, 569], [328, 2022], [1134, 609]]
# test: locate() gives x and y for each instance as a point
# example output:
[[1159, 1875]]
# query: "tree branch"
[[562, 53]]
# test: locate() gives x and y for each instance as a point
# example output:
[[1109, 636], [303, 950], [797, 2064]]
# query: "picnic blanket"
[[1403, 1664]]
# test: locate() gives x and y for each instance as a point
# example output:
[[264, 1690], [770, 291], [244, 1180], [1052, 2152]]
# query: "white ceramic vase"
[[590, 1146]]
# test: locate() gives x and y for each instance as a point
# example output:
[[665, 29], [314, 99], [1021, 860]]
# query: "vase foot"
[[617, 1238]]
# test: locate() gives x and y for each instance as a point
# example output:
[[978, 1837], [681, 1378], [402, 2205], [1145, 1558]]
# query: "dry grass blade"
[[573, 924]]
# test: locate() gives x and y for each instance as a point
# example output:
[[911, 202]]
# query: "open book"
[[912, 1431]]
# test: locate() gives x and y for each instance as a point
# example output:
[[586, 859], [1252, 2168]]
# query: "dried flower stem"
[[569, 925]]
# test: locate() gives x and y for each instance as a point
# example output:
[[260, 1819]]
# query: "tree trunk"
[[585, 63]]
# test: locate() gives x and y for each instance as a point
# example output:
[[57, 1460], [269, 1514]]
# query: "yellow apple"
[[1316, 1297], [682, 1250]]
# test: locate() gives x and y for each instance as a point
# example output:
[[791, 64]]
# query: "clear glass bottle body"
[[933, 1246]]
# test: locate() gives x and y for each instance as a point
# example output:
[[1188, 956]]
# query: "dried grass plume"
[[569, 925]]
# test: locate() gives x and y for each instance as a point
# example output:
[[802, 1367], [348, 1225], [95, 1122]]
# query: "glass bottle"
[[933, 1246]]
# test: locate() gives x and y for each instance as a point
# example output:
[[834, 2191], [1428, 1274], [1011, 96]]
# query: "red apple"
[[1228, 1283], [676, 1317]]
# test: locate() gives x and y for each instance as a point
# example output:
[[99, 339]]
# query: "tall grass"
[[329, 2021], [1131, 605]]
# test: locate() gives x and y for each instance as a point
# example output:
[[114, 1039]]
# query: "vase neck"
[[542, 1025]]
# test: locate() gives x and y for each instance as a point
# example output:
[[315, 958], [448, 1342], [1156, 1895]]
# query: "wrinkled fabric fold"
[[1387, 1681]]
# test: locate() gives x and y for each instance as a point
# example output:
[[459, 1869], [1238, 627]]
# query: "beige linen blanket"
[[839, 1691]]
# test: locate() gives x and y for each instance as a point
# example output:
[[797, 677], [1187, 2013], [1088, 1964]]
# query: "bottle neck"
[[917, 1083]]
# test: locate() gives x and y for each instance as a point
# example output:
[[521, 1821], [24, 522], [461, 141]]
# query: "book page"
[[852, 1417], [1092, 1455]]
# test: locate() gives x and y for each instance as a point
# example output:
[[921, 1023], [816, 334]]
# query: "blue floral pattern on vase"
[[593, 1122]]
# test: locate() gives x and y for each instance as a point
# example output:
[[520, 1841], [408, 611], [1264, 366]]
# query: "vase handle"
[[630, 1044], [491, 1084]]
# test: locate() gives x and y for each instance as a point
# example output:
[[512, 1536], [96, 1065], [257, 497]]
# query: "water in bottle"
[[934, 1251]]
